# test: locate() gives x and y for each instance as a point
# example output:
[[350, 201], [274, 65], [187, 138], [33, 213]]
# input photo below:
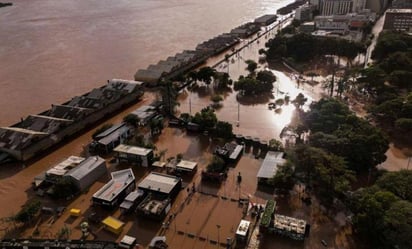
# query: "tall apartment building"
[[336, 7]]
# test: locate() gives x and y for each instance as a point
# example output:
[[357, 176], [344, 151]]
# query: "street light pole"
[[218, 234]]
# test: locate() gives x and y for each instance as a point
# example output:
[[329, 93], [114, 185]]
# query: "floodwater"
[[54, 50], [51, 51]]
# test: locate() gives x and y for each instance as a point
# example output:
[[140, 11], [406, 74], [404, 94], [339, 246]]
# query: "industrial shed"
[[87, 172]]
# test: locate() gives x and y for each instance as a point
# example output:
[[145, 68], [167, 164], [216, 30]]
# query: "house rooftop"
[[120, 180]]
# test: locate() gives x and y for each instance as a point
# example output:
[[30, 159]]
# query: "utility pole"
[[238, 114], [190, 105]]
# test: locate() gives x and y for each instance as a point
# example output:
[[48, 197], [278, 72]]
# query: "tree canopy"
[[304, 47], [382, 213], [263, 83], [336, 129]]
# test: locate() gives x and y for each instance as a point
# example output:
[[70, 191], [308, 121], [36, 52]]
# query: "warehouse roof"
[[159, 182], [270, 164]]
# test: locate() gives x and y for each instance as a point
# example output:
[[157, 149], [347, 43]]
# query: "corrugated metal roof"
[[270, 164], [85, 167]]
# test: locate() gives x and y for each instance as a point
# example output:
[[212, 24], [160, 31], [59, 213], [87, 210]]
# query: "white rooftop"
[[270, 164], [159, 182], [243, 228], [63, 167], [134, 150], [186, 165], [120, 180]]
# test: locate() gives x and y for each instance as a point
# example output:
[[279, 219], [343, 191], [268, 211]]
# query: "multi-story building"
[[398, 19], [402, 4], [304, 13], [336, 7]]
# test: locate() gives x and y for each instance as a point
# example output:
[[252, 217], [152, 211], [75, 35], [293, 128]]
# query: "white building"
[[341, 7], [336, 7]]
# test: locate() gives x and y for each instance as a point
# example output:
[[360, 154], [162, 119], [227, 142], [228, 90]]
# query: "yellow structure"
[[75, 212], [113, 225]]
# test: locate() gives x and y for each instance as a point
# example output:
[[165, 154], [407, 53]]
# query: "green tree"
[[216, 98], [283, 178], [275, 145], [64, 188], [216, 165], [369, 207], [251, 66], [299, 101], [28, 212], [266, 77], [398, 225], [206, 118], [206, 74], [224, 130], [399, 183]]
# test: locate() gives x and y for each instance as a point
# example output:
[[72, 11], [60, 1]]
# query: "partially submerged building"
[[114, 192], [56, 173], [271, 222], [184, 166], [134, 154], [161, 189], [144, 114], [270, 166], [231, 152], [131, 201], [107, 140], [266, 20], [37, 133], [87, 172], [161, 185]]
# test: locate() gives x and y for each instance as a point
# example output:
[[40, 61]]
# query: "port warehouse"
[[37, 133], [83, 172], [189, 59]]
